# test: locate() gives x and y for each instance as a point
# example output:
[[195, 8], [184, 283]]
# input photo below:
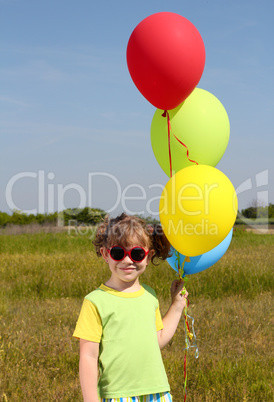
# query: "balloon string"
[[169, 131], [180, 267], [187, 151], [189, 336], [193, 337], [166, 114], [185, 376]]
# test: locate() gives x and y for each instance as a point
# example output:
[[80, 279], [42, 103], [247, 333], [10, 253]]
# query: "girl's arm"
[[88, 370], [173, 315]]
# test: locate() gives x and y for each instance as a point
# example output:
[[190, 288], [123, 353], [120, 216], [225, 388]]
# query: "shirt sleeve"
[[159, 321], [89, 325]]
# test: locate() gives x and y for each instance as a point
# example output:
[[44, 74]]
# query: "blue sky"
[[74, 128]]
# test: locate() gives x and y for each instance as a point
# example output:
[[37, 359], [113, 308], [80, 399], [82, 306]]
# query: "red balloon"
[[165, 58]]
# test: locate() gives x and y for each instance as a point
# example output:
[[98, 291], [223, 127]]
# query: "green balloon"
[[201, 123]]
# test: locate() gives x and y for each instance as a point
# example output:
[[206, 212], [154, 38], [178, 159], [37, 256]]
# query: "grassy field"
[[44, 277]]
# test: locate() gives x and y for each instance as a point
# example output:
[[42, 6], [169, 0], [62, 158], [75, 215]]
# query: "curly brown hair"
[[126, 230]]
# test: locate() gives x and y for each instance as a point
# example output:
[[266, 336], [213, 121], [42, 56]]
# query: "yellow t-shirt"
[[125, 325]]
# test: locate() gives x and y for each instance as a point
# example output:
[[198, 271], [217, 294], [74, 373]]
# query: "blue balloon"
[[203, 261]]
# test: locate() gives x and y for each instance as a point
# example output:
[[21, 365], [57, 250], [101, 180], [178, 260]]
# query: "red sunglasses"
[[136, 254]]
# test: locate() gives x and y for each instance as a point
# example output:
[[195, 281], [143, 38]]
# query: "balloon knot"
[[164, 114], [190, 335]]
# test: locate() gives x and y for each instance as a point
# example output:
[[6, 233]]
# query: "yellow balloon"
[[197, 209]]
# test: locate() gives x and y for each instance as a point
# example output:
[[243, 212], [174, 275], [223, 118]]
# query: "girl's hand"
[[179, 294], [174, 313]]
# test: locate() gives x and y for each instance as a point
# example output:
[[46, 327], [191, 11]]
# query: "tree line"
[[93, 216], [90, 216], [73, 216], [254, 212]]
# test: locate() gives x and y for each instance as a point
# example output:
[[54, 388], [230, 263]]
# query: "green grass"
[[44, 277]]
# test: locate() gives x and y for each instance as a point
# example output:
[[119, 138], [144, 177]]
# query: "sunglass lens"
[[138, 254], [117, 253]]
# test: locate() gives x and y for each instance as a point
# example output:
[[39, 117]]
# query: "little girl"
[[120, 327]]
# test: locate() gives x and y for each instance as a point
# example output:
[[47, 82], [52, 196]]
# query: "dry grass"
[[44, 278], [234, 361]]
